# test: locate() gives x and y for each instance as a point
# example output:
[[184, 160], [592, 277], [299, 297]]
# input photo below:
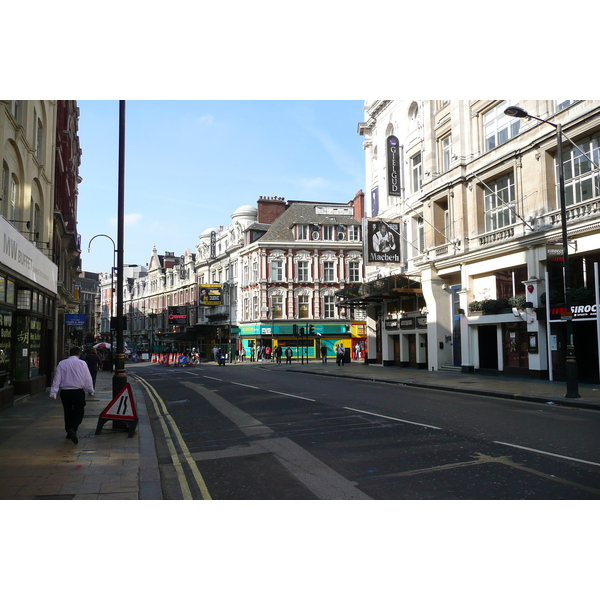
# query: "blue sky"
[[190, 164]]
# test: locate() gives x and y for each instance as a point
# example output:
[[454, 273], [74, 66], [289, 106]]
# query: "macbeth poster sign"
[[383, 242], [393, 165]]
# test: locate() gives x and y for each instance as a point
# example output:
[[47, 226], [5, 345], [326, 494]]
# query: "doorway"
[[488, 346]]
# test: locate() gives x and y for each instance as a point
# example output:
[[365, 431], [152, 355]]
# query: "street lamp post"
[[571, 361]]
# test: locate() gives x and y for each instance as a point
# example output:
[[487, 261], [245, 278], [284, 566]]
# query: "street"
[[246, 432]]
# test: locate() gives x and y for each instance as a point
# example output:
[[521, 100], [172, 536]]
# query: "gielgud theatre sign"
[[382, 239]]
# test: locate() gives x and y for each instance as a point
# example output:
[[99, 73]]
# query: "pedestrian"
[[268, 353], [243, 353], [324, 353], [215, 352], [288, 356], [72, 378], [93, 363], [278, 354], [340, 355]]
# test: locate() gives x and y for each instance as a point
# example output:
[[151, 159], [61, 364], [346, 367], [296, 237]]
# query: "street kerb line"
[[187, 495], [291, 395], [392, 418], [587, 462]]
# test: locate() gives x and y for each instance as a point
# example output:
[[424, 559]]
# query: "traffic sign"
[[122, 407]]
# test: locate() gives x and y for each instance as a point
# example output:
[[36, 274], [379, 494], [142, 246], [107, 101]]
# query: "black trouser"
[[73, 402]]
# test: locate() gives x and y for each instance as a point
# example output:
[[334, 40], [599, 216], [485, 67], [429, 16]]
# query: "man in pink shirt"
[[73, 379]]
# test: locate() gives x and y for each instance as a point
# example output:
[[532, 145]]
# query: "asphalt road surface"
[[244, 432]]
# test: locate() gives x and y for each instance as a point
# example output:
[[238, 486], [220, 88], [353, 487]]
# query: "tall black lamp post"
[[119, 377], [571, 361]]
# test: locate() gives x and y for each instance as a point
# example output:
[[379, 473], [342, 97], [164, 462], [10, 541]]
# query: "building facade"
[[262, 280], [471, 194], [36, 137]]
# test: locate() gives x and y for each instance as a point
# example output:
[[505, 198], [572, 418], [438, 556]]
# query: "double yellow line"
[[167, 421]]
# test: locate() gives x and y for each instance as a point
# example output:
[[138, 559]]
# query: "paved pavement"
[[37, 462]]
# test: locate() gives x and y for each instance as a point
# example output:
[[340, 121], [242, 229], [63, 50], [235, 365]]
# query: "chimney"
[[359, 205], [269, 208]]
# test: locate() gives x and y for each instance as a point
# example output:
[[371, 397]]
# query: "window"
[[255, 272], [39, 138], [354, 271], [498, 127], [276, 270], [12, 205], [582, 182], [446, 153], [328, 232], [417, 172], [562, 104], [255, 307], [303, 307], [328, 271], [303, 270], [277, 307], [245, 279], [353, 233], [499, 203], [302, 232], [328, 307]]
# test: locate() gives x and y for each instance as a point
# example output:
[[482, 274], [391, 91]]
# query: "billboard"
[[382, 239], [177, 315], [210, 294]]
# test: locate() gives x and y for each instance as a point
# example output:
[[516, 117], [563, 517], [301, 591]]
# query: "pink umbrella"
[[102, 345]]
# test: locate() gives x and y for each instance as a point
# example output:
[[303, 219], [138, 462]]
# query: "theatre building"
[[472, 276]]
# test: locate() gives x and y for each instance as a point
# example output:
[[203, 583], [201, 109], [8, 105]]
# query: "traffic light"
[[311, 330], [301, 330], [295, 330]]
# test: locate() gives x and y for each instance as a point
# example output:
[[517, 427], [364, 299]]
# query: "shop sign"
[[75, 320], [407, 323], [20, 255], [422, 322], [391, 323]]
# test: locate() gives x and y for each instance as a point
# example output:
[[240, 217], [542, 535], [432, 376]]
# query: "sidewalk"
[[37, 462], [494, 385]]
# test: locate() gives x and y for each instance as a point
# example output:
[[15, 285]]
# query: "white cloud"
[[205, 120]]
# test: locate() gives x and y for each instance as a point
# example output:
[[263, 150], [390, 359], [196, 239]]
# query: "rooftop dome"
[[247, 210]]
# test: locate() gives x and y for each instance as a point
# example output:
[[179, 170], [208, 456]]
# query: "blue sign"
[[75, 320]]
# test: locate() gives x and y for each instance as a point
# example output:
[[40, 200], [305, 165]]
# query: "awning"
[[378, 291]]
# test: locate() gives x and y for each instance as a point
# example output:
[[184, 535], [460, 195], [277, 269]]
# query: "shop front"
[[28, 286]]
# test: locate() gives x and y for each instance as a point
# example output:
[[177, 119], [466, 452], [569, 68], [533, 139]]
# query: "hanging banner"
[[210, 294], [382, 242], [393, 165]]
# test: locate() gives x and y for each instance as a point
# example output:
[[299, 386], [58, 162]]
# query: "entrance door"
[[412, 350], [396, 339], [456, 341], [515, 345], [488, 346]]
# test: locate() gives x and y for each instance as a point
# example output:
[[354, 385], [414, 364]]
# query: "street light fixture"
[[571, 362]]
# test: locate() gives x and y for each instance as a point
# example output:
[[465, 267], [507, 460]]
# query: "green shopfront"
[[28, 286]]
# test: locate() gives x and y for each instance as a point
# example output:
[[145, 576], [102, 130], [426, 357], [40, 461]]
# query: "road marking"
[[215, 378], [245, 385], [165, 416], [587, 462], [392, 418], [291, 395]]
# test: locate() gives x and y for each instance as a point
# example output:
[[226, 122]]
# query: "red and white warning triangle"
[[122, 407]]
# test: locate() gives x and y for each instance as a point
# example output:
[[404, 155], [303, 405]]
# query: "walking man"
[[324, 354], [73, 379]]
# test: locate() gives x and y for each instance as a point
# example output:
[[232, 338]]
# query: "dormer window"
[[302, 232]]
